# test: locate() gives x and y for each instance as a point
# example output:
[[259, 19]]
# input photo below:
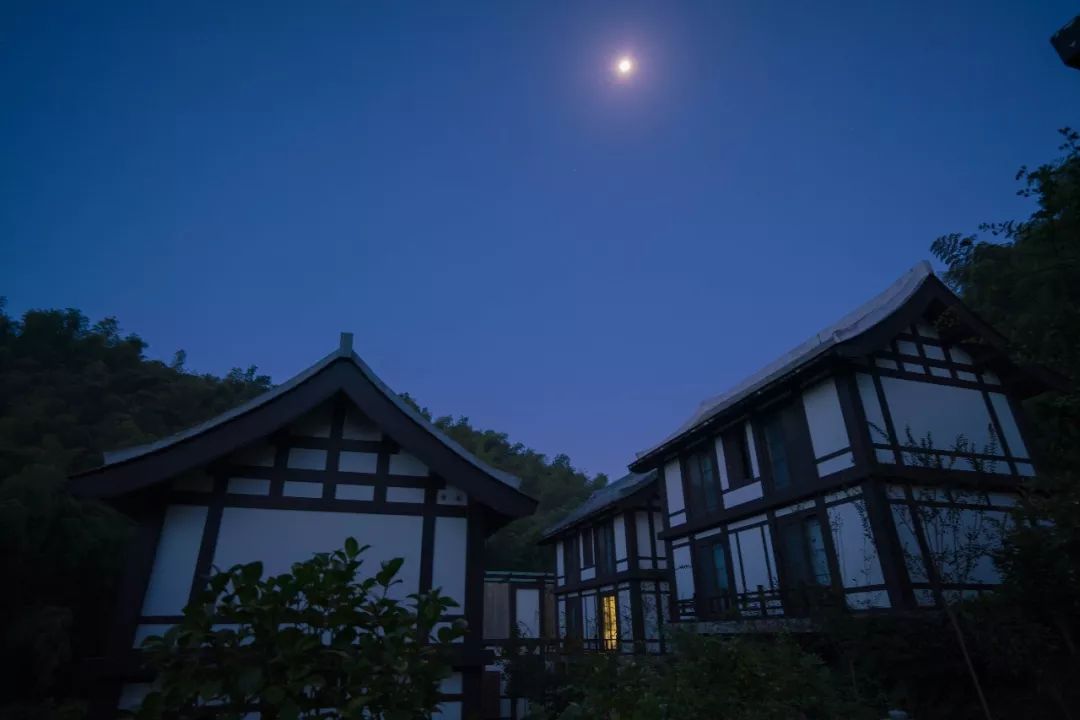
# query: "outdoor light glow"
[[625, 65]]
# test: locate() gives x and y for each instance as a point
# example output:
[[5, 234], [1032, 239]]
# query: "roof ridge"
[[848, 326]]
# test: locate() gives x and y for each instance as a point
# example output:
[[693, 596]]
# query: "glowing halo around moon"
[[625, 66]]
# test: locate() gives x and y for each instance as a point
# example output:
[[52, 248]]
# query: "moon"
[[624, 66]]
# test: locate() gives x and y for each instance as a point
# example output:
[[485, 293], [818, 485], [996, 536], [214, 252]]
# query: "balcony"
[[798, 602]]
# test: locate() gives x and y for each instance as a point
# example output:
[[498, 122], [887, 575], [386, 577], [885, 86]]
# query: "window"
[[573, 618], [587, 560], [609, 631], [701, 481], [605, 548], [804, 558], [713, 567], [774, 443], [571, 561], [737, 456], [787, 444]]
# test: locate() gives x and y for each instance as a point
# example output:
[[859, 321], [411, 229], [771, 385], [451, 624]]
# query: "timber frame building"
[[866, 468], [611, 577], [330, 454]]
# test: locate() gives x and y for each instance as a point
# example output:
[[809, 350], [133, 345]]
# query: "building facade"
[[611, 577], [331, 454], [870, 468]]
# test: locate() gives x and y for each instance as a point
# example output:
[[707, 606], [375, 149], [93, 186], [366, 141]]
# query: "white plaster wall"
[[280, 538], [248, 486], [620, 537], [560, 570], [294, 488], [403, 463], [560, 611], [451, 495], [875, 418], [644, 541], [673, 487], [358, 462], [448, 563], [684, 572], [315, 424], [744, 494], [854, 542], [661, 548], [721, 462], [307, 459], [749, 429], [828, 433], [174, 560], [1008, 425], [448, 710], [528, 612], [358, 428], [354, 492], [404, 494]]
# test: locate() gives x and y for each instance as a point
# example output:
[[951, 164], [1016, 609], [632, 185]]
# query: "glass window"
[[805, 559], [702, 482], [737, 456], [610, 623], [714, 568], [587, 548], [605, 548], [775, 444]]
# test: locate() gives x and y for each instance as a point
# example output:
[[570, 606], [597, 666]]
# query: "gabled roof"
[[602, 499], [342, 371], [859, 332]]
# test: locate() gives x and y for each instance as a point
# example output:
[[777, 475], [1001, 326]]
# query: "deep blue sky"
[[510, 235]]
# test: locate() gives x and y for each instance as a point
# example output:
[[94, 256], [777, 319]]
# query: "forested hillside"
[[69, 390]]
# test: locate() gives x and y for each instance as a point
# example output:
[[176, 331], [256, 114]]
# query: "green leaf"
[[388, 571]]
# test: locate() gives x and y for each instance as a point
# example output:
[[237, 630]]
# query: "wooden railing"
[[800, 601]]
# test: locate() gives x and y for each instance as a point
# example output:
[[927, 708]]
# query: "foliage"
[[319, 641], [1025, 281], [703, 678], [69, 390]]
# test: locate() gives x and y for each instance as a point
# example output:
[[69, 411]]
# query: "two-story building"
[[611, 577], [332, 453], [870, 467]]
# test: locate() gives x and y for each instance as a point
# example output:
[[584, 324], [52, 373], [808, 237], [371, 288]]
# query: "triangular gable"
[[341, 373], [916, 297]]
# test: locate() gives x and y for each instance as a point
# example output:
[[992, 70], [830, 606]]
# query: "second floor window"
[[737, 456], [587, 560], [701, 481], [773, 430], [787, 445], [605, 548]]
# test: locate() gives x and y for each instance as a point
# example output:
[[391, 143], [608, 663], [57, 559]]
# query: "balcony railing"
[[800, 601]]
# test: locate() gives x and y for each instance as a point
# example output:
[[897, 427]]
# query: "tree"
[[318, 641], [1025, 280]]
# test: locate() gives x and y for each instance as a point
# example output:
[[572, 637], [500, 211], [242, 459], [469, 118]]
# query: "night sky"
[[511, 233]]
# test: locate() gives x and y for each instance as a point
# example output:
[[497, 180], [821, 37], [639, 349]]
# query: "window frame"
[[697, 505], [737, 459], [609, 621], [588, 549]]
